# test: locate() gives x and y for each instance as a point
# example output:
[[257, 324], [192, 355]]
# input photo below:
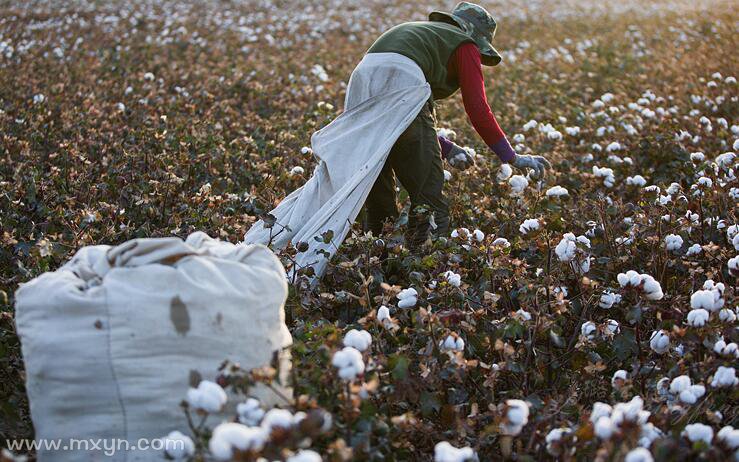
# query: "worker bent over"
[[450, 49]]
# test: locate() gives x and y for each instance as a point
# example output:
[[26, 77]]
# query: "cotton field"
[[587, 315]]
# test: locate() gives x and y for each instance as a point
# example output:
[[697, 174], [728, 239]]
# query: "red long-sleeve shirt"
[[466, 65]]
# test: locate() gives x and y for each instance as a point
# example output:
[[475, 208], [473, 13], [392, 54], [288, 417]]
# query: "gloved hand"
[[537, 163], [458, 157]]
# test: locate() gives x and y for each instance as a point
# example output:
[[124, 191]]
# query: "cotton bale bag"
[[111, 339]]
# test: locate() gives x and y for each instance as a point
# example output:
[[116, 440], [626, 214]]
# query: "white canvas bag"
[[110, 339]]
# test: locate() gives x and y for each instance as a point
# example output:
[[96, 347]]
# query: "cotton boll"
[[452, 342], [250, 413], [619, 378], [530, 224], [734, 265], [531, 124], [280, 418], [453, 278], [608, 299], [639, 455], [612, 327], [230, 436], [606, 173], [648, 434], [600, 410], [588, 330], [517, 183], [408, 298], [504, 172], [445, 452], [698, 432], [349, 362], [501, 242], [383, 316], [673, 242], [702, 299], [698, 318], [659, 342], [694, 249], [208, 397], [724, 377], [553, 439], [726, 159], [447, 175], [358, 339], [604, 428], [557, 191], [652, 289], [296, 171], [729, 437], [305, 455], [478, 235], [566, 248], [636, 180], [523, 315], [516, 417], [727, 316], [178, 446]]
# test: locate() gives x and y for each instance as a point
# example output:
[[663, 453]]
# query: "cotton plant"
[[574, 250]]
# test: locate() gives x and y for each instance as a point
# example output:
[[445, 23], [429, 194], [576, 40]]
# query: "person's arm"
[[469, 72]]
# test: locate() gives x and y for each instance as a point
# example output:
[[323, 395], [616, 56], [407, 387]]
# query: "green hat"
[[477, 23]]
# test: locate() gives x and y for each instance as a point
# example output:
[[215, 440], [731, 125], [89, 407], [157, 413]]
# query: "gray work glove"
[[459, 158], [537, 163]]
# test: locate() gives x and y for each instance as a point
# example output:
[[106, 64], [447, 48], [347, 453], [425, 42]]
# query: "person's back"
[[430, 45]]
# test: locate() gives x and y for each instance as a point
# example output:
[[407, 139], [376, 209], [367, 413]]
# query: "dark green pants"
[[416, 160]]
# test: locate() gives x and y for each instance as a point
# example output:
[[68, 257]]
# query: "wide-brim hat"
[[477, 23]]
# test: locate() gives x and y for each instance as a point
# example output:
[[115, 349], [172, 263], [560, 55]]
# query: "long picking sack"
[[385, 93], [111, 339]]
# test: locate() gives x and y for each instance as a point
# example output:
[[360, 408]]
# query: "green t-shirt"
[[430, 45]]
